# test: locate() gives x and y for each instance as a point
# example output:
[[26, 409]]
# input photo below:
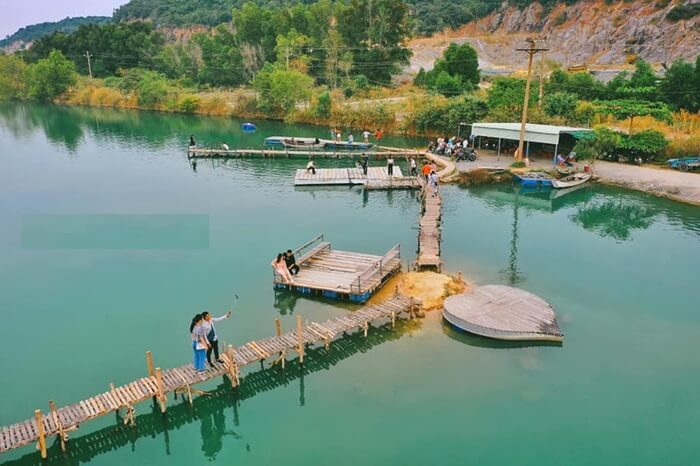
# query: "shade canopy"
[[545, 134]]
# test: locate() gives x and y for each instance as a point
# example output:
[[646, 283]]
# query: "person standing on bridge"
[[213, 339], [199, 343], [414, 167], [434, 179], [390, 166], [364, 160]]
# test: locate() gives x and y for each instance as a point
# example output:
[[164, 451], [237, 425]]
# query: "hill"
[[178, 13], [26, 35]]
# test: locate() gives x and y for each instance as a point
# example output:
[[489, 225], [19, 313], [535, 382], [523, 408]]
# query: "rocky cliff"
[[597, 34]]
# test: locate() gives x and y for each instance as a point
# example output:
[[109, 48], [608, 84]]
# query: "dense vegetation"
[[67, 25], [177, 12]]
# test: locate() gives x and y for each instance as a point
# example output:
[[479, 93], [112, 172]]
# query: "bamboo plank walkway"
[[504, 313], [340, 274], [160, 383], [202, 153], [344, 176], [429, 233]]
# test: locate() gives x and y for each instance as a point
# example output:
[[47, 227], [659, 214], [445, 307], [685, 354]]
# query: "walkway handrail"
[[308, 244], [363, 277]]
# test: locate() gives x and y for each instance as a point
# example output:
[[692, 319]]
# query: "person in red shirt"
[[378, 135], [425, 171]]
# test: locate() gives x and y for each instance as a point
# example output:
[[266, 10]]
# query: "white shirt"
[[390, 161], [365, 134], [207, 326], [310, 164], [413, 163]]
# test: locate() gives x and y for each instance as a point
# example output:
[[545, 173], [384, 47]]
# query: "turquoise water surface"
[[110, 242]]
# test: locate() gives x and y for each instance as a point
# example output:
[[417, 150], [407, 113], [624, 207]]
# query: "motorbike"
[[465, 154]]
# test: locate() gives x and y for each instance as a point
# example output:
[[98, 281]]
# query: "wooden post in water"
[[233, 367], [161, 392], [40, 431], [149, 363], [278, 332], [300, 341], [56, 420]]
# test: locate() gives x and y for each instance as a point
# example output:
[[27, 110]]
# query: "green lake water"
[[82, 298]]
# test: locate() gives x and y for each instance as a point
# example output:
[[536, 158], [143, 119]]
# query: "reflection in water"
[[484, 342], [210, 409], [512, 274], [285, 302], [615, 218]]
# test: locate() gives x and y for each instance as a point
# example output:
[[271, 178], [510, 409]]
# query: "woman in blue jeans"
[[199, 343]]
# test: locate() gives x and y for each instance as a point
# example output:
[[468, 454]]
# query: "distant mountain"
[[26, 35]]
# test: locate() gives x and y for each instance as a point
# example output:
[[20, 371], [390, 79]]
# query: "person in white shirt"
[[390, 166], [365, 135], [311, 167], [414, 167], [210, 331], [351, 138], [224, 146]]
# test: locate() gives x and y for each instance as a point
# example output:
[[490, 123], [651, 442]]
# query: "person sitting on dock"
[[291, 262], [364, 161], [224, 146], [212, 338], [280, 268], [351, 138], [338, 136], [414, 167], [311, 167], [199, 343], [390, 165]]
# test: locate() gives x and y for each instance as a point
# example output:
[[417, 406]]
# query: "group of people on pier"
[[429, 172], [285, 265], [205, 341], [337, 135]]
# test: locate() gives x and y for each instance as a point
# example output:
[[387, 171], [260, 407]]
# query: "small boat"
[[328, 144], [539, 179], [249, 127], [288, 141], [571, 180]]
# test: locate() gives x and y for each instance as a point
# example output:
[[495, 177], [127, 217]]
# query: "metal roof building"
[[543, 134]]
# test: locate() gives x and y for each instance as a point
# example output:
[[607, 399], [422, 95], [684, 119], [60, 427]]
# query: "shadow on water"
[[483, 342], [212, 409]]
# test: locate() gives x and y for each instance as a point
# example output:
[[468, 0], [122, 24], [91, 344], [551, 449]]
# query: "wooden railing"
[[378, 268]]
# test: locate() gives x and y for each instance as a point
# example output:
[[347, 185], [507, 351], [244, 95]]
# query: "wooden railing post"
[[40, 430], [233, 367], [56, 420], [278, 332], [300, 340], [149, 363], [161, 391]]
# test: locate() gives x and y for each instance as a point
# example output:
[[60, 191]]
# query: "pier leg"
[[233, 366], [283, 355], [300, 341], [161, 392], [62, 436], [40, 430], [149, 366], [393, 319], [365, 327]]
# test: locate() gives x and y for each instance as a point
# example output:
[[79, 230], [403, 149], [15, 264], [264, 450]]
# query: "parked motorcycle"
[[467, 154]]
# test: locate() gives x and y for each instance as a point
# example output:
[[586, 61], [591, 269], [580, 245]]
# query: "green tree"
[[153, 89], [646, 144], [322, 109], [50, 77], [681, 86], [221, 60], [12, 71], [509, 93], [560, 104], [377, 33], [447, 85], [279, 90], [462, 61], [290, 47], [623, 109]]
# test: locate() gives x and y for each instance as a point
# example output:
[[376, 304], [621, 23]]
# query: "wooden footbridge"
[[429, 234], [382, 153], [159, 383]]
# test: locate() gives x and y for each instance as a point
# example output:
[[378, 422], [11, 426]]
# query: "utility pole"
[[531, 51], [88, 56], [541, 96]]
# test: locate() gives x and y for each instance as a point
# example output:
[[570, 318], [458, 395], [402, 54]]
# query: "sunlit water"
[[620, 268]]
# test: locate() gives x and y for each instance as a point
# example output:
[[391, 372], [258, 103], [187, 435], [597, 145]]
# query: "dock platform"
[[206, 153], [346, 176], [160, 383], [340, 274], [504, 313]]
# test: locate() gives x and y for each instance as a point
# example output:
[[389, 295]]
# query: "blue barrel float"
[[249, 127]]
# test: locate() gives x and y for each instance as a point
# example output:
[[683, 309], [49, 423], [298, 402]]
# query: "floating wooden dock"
[[429, 234], [202, 153], [340, 274], [345, 176], [504, 313], [159, 383]]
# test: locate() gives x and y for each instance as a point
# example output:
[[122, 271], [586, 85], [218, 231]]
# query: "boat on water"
[[290, 141], [345, 145], [571, 180], [539, 179]]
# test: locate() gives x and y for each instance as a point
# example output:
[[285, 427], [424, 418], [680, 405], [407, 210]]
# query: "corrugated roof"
[[546, 134]]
